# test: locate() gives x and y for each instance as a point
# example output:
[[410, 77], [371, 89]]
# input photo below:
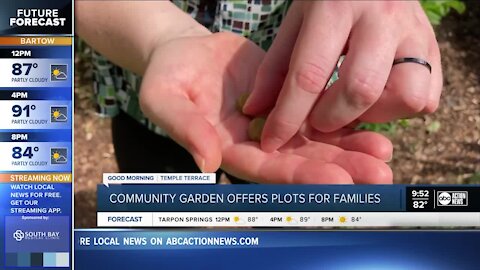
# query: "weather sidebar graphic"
[[35, 141]]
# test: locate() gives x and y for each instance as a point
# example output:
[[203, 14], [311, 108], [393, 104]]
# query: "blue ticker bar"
[[397, 250]]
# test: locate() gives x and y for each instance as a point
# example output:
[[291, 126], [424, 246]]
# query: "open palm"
[[190, 88]]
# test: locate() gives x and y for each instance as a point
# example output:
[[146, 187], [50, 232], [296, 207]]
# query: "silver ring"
[[413, 60]]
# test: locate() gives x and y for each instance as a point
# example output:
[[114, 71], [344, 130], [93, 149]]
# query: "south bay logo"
[[20, 235], [452, 198]]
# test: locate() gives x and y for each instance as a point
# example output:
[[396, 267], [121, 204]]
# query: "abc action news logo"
[[452, 198]]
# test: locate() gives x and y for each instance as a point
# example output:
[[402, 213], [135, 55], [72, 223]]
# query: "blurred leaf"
[[436, 10], [433, 127], [474, 179], [404, 123], [457, 5], [389, 128], [433, 17]]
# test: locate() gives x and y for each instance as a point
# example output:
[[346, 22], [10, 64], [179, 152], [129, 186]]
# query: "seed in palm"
[[255, 128], [241, 100]]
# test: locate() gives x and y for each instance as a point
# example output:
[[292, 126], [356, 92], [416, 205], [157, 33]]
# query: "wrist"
[[188, 31]]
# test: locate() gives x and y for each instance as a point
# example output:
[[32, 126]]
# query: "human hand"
[[291, 79], [190, 88]]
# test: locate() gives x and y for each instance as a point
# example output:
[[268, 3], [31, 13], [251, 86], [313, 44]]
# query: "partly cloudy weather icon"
[[58, 114], [58, 72], [58, 155]]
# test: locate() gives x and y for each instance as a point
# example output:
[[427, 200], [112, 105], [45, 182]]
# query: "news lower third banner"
[[131, 249], [183, 205]]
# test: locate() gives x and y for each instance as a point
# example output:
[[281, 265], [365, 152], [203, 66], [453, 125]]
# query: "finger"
[[321, 40], [408, 87], [180, 118], [436, 81], [367, 142], [248, 161], [363, 76], [363, 168], [274, 67]]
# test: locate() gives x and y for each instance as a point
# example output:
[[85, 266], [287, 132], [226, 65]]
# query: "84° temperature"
[[356, 219], [18, 152]]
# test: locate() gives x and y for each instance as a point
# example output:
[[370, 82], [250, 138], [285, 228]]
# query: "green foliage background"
[[437, 9]]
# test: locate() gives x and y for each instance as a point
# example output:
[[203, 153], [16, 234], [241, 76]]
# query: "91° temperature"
[[19, 110]]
